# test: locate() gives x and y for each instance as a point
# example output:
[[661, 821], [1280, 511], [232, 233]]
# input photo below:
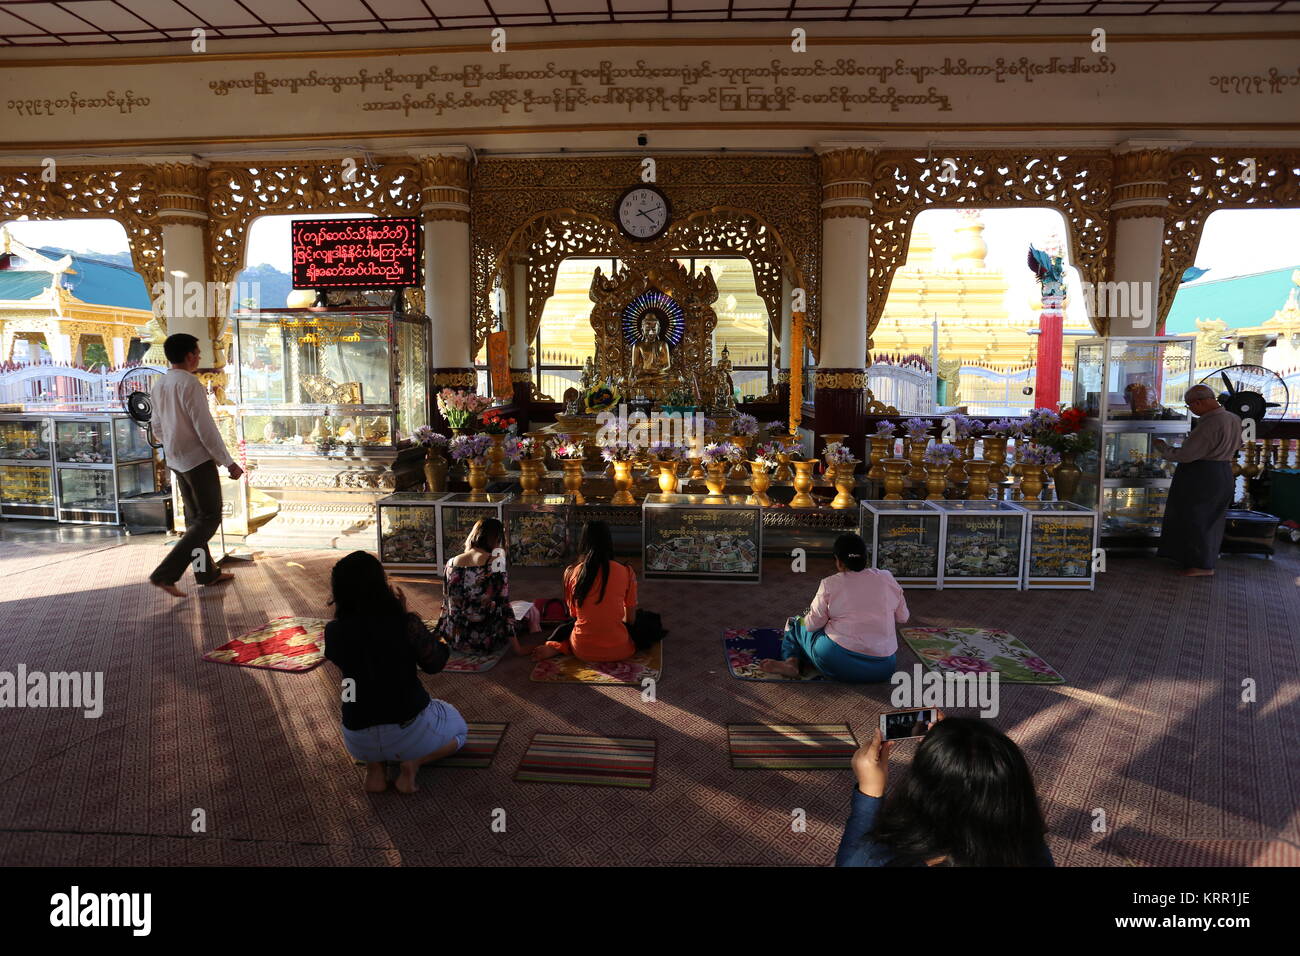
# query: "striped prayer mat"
[[481, 745], [790, 746], [591, 761]]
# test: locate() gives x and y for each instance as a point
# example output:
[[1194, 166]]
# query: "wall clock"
[[643, 212]]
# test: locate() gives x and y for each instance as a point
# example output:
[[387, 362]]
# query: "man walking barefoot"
[[183, 423]]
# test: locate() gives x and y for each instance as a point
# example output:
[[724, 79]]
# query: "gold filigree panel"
[[128, 194], [1200, 183], [766, 208], [905, 185], [239, 194]]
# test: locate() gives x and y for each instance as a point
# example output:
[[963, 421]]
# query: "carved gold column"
[[1139, 198], [445, 185], [517, 323], [840, 379]]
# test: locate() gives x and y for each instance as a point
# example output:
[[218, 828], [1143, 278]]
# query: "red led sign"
[[356, 253]]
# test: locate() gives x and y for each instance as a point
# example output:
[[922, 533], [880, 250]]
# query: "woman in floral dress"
[[476, 616]]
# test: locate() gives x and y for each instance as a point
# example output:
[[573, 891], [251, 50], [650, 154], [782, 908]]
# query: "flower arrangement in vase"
[[1066, 436], [570, 456], [744, 428], [461, 408], [761, 468], [918, 436], [939, 458], [995, 446], [621, 455], [716, 457], [839, 467], [667, 457], [498, 427], [1035, 461], [435, 457], [473, 451], [882, 447]]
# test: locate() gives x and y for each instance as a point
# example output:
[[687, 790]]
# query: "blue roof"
[[1241, 301], [94, 281]]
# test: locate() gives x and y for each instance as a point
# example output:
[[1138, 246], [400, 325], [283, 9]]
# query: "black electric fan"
[[1250, 391], [140, 409]]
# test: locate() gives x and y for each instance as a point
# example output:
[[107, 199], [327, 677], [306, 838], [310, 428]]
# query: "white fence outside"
[[906, 387], [1001, 394], [53, 387]]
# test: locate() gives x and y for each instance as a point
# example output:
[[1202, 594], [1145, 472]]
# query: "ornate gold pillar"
[[517, 322], [840, 379], [1139, 198], [445, 185]]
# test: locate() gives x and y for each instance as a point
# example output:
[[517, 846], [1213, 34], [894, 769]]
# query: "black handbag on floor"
[[647, 630]]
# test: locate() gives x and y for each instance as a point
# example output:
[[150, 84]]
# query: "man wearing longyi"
[[183, 423], [1201, 492]]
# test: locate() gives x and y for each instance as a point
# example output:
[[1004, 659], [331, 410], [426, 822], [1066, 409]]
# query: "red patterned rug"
[[283, 644]]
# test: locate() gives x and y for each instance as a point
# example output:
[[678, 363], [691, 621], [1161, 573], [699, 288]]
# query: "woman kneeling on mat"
[[601, 595], [377, 644], [847, 632], [476, 616]]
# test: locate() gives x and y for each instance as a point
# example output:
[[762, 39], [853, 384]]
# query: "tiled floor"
[[1151, 728]]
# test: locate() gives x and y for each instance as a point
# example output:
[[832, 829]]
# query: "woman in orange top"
[[601, 595]]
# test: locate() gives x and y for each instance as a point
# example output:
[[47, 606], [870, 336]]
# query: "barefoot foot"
[[171, 589], [784, 668], [221, 578], [376, 778], [406, 779]]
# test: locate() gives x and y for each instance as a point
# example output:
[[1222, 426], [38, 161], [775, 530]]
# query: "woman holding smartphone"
[[968, 800], [848, 631]]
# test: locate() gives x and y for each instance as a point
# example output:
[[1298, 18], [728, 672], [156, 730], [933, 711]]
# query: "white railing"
[[53, 387], [906, 387], [986, 392]]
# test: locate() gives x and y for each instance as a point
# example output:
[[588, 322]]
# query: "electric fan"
[[140, 409], [1250, 391]]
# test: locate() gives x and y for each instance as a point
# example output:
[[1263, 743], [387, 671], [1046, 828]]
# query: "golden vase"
[[842, 476], [895, 474], [995, 453], [435, 471], [623, 484], [759, 482], [478, 479], [936, 481], [696, 472], [803, 483], [914, 452], [530, 478], [738, 469], [1067, 476], [573, 476], [715, 478], [497, 457], [977, 478], [783, 471], [668, 477], [957, 470], [1031, 482], [882, 447]]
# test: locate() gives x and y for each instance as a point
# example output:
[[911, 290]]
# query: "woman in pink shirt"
[[848, 631]]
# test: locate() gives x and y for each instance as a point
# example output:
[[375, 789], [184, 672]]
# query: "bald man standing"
[[1201, 492]]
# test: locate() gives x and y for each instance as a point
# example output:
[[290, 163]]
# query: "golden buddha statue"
[[652, 359]]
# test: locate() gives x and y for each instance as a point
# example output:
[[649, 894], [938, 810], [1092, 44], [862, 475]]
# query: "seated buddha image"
[[652, 359]]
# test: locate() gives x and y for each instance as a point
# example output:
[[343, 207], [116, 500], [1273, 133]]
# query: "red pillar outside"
[[1047, 377]]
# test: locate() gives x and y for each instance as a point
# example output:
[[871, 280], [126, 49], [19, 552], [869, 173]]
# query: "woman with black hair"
[[847, 632], [476, 616], [377, 644], [601, 595], [968, 800]]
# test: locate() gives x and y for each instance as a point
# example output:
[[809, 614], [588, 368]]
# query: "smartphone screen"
[[898, 724]]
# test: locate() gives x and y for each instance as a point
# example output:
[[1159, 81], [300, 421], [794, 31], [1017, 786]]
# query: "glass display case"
[[1059, 545], [27, 468], [407, 523], [84, 442], [87, 495], [983, 543], [903, 538], [312, 381], [702, 538], [1131, 389], [457, 514], [540, 535]]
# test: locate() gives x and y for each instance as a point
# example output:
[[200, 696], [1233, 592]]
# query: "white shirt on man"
[[183, 422]]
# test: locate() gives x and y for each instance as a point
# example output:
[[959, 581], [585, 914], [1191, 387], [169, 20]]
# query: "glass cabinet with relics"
[[99, 460], [904, 540], [701, 538], [983, 543], [1059, 542], [27, 467], [540, 535], [330, 383], [407, 523], [1131, 390], [457, 515]]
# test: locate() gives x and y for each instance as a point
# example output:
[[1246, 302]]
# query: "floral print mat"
[[634, 670], [746, 646], [976, 650]]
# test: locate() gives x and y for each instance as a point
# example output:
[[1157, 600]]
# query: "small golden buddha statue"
[[652, 359]]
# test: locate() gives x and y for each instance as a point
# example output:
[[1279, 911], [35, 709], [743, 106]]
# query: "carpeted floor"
[[1149, 734]]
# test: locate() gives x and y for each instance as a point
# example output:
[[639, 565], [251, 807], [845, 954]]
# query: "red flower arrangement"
[[494, 423], [1067, 434]]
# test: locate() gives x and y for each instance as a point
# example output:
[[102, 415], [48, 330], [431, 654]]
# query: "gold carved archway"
[[765, 208], [1077, 185], [1201, 183], [126, 193]]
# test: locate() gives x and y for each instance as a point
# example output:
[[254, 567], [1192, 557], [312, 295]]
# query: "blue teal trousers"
[[835, 662]]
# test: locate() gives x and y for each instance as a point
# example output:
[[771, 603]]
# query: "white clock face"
[[643, 213]]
